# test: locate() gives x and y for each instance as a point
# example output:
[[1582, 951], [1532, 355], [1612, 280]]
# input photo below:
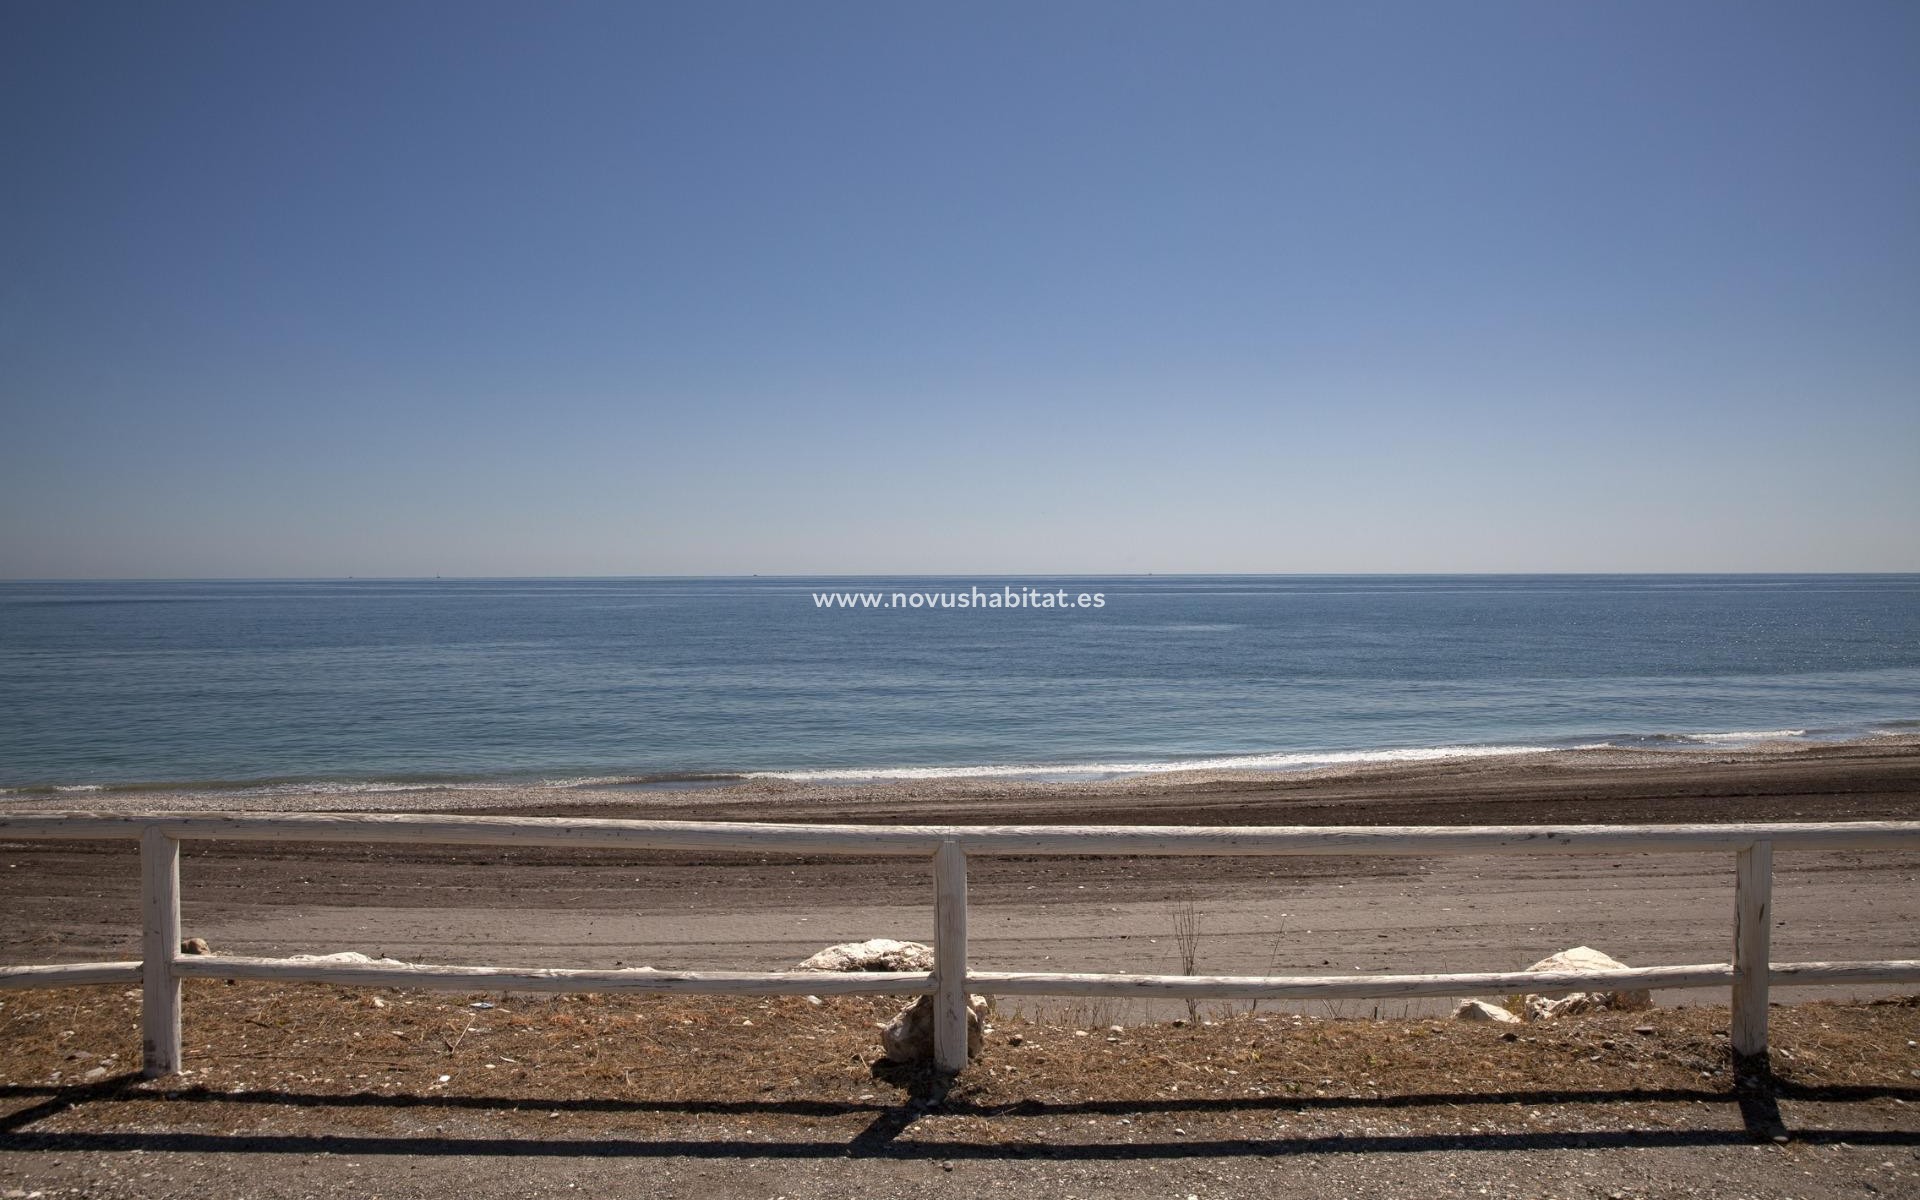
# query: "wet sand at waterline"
[[1332, 915]]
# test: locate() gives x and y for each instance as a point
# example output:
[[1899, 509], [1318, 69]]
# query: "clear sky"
[[644, 288]]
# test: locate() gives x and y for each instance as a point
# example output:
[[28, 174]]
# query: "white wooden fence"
[[162, 966]]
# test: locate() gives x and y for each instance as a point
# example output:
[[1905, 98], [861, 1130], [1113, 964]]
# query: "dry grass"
[[302, 1058]]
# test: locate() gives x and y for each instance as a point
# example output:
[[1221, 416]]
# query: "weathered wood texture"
[[950, 957], [559, 979], [69, 975], [908, 983], [1389, 987], [159, 946], [467, 830], [1347, 987], [1894, 970], [1752, 946]]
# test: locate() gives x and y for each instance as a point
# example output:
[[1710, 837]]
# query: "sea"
[[370, 686]]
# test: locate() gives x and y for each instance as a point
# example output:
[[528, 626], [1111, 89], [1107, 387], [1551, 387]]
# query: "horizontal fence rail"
[[163, 966], [919, 840]]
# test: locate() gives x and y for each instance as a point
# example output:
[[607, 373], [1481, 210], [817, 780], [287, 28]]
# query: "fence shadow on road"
[[889, 1131]]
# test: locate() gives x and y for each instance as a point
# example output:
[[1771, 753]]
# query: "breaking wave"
[[1231, 762]]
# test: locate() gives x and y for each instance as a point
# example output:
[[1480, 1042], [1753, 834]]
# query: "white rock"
[[1580, 958], [1543, 1006], [1480, 1010], [874, 954]]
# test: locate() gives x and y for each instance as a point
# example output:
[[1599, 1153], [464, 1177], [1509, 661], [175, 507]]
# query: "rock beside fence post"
[[908, 1038]]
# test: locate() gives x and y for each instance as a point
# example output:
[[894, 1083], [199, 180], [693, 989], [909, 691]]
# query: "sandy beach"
[[1317, 915]]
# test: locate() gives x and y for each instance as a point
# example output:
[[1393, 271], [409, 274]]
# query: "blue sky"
[[469, 289]]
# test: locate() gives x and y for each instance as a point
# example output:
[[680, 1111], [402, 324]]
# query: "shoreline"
[[723, 794]]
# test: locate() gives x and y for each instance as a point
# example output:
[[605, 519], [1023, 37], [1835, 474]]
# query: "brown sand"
[[1320, 915], [306, 1091]]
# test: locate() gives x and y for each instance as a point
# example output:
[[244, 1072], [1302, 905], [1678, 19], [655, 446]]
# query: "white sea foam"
[[1742, 735], [1233, 762], [374, 787], [377, 787], [336, 787]]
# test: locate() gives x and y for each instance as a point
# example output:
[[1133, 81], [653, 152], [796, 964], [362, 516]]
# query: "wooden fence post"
[[1752, 947], [160, 942], [950, 957]]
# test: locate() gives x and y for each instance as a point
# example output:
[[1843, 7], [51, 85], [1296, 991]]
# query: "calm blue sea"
[[380, 684]]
